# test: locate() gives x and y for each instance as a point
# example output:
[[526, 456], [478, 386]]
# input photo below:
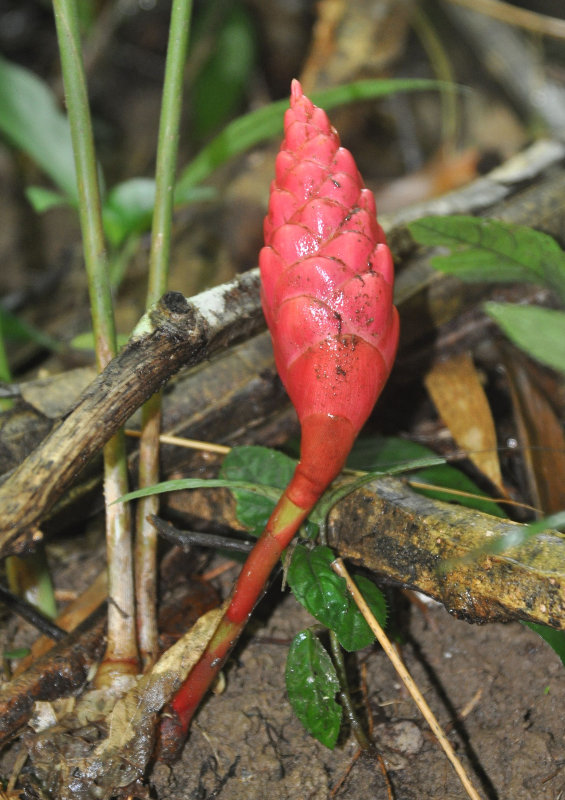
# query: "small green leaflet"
[[494, 251], [128, 207], [538, 331], [312, 683], [20, 652], [555, 639], [256, 465], [263, 466], [42, 199], [324, 594]]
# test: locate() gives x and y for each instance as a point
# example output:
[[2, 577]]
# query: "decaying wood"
[[60, 672], [406, 539], [403, 536], [177, 333]]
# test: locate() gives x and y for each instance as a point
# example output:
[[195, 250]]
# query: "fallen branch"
[[408, 538], [176, 333], [60, 672]]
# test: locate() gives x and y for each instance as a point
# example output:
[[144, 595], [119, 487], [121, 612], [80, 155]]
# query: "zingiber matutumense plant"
[[327, 282]]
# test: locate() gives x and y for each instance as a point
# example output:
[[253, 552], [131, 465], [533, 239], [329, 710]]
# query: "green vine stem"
[[167, 149], [121, 652]]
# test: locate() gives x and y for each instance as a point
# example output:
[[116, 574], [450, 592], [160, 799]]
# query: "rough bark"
[[62, 671], [177, 333]]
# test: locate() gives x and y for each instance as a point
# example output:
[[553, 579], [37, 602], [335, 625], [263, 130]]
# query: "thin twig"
[[339, 567], [186, 538], [190, 444], [32, 615]]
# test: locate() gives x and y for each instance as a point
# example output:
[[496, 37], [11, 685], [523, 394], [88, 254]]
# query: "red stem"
[[326, 442]]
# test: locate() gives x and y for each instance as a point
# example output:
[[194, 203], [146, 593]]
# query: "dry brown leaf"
[[72, 761], [354, 39], [457, 392], [539, 433]]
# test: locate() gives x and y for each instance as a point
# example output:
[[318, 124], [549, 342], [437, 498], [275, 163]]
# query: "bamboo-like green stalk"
[[146, 541], [121, 651]]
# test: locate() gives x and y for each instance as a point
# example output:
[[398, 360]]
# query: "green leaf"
[[43, 200], [375, 452], [32, 122], [312, 683], [128, 207], [15, 328], [220, 86], [333, 496], [490, 250], [260, 125], [200, 483], [324, 594], [257, 465], [538, 331], [85, 341], [555, 639], [20, 652]]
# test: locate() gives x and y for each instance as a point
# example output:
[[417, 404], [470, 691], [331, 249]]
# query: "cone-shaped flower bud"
[[327, 282]]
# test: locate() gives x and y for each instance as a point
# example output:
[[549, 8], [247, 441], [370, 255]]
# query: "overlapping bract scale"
[[327, 273]]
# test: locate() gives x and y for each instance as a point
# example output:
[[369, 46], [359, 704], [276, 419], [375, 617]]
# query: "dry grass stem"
[[339, 567], [193, 444]]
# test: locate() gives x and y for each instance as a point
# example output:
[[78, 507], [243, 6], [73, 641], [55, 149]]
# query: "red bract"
[[327, 281], [327, 295]]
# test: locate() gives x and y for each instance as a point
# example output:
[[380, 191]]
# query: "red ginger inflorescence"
[[327, 281]]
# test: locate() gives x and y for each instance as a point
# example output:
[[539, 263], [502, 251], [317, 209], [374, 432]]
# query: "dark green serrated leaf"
[[312, 683], [324, 594], [538, 331], [258, 465], [555, 639], [491, 250]]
